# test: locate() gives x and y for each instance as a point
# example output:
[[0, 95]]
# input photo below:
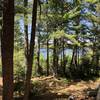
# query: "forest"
[[49, 49]]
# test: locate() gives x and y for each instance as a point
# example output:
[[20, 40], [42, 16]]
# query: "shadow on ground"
[[0, 92], [52, 96]]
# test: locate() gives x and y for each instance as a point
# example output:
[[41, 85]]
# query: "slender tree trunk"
[[47, 57], [39, 69], [7, 48], [54, 59], [31, 52], [78, 56], [57, 64], [47, 42], [26, 33], [97, 62], [74, 57], [64, 65], [61, 64], [94, 56], [73, 60], [0, 22], [38, 56], [76, 49]]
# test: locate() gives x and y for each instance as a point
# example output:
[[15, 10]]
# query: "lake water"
[[43, 51]]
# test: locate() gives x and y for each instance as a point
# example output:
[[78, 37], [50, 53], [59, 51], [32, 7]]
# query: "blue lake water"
[[43, 51]]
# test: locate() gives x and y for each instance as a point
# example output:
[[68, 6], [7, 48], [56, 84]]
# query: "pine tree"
[[7, 47]]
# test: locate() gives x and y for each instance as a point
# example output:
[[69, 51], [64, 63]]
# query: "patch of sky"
[[70, 1], [29, 28], [87, 23], [84, 11], [22, 24]]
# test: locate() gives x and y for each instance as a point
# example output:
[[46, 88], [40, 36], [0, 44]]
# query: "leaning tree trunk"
[[31, 52], [73, 56], [7, 48]]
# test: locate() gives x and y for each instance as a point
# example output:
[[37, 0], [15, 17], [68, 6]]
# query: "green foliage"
[[18, 40], [57, 34], [19, 72], [58, 18], [72, 13], [92, 1], [18, 87], [86, 66], [65, 81], [37, 88], [42, 64], [19, 64], [94, 18], [61, 34], [19, 9], [98, 7]]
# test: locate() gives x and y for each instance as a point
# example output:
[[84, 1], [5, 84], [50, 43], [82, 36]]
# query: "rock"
[[71, 97], [92, 93]]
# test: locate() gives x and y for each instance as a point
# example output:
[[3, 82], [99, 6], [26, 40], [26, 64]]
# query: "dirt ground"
[[57, 89], [77, 90]]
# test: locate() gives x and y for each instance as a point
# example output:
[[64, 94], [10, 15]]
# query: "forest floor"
[[52, 88]]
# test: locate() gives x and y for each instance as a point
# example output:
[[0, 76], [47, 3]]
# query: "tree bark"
[[64, 65], [7, 48], [39, 71], [73, 60], [47, 57], [55, 58], [26, 33], [31, 52]]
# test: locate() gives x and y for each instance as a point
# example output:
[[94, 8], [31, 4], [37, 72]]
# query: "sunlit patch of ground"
[[59, 88], [76, 89]]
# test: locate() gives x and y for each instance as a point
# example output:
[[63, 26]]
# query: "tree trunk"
[[76, 49], [26, 33], [47, 57], [73, 56], [97, 63], [7, 48], [31, 52], [39, 71], [55, 58], [64, 65]]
